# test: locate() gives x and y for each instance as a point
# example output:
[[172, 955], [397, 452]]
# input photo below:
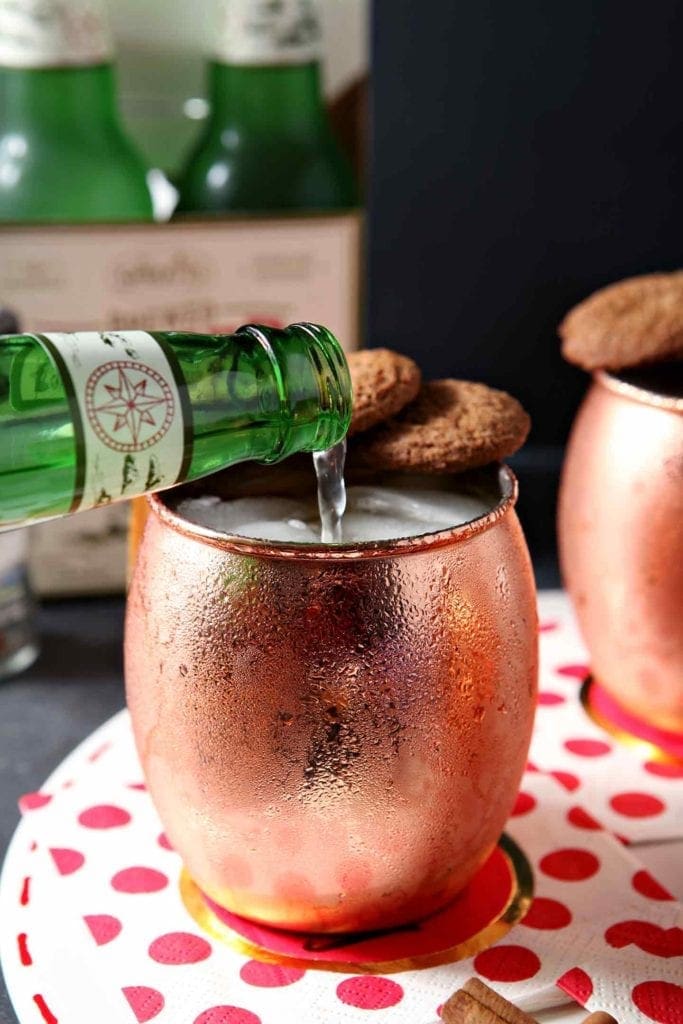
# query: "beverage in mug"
[[620, 522], [333, 734], [621, 538]]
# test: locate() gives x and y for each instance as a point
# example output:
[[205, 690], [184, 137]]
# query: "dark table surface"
[[75, 685]]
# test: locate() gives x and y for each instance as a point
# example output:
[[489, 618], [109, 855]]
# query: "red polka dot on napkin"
[[646, 885], [139, 880], [507, 963], [577, 984], [579, 818], [33, 801], [104, 928], [370, 993], [547, 914], [664, 770], [227, 1015], [647, 937], [579, 672], [67, 861], [103, 816], [145, 1002], [524, 803], [587, 748], [269, 975], [570, 865], [567, 779], [179, 948], [547, 699], [637, 805], [661, 1001]]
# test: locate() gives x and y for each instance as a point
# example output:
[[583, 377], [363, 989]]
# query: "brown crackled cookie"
[[452, 425], [630, 323], [383, 382]]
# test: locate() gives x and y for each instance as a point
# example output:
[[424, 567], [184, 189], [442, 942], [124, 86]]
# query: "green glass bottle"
[[63, 154], [18, 639], [268, 145], [91, 418]]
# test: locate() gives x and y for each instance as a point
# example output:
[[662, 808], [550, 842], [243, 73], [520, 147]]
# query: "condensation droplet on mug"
[[502, 582], [467, 687]]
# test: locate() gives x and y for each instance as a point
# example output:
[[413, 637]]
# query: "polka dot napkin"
[[94, 927], [636, 797]]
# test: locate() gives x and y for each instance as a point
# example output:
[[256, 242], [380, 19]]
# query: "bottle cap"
[[267, 32], [49, 33]]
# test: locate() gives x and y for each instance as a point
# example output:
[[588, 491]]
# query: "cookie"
[[630, 323], [383, 382], [452, 425]]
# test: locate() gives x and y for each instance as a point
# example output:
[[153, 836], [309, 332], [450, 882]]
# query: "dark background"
[[522, 155]]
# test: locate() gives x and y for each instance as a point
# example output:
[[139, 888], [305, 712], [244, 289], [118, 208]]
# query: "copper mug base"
[[621, 538], [333, 738]]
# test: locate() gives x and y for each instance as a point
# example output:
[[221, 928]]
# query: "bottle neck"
[[282, 99], [310, 378], [56, 98]]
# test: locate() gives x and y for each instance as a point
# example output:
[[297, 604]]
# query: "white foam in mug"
[[372, 514]]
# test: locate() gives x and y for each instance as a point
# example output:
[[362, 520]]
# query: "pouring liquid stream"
[[329, 471]]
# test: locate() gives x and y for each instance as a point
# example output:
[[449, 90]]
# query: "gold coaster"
[[506, 878], [646, 748]]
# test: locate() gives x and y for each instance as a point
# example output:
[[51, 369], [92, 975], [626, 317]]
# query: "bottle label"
[[53, 33], [129, 421], [269, 32]]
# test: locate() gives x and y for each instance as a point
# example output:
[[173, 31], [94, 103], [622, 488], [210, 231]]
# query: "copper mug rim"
[[509, 490], [611, 381]]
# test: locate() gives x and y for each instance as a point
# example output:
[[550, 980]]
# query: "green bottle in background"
[[64, 157], [95, 417], [268, 145]]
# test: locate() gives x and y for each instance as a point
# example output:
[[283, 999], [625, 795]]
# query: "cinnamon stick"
[[461, 1008], [476, 1003]]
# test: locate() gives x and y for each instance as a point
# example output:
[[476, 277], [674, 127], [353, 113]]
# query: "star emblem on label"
[[129, 405]]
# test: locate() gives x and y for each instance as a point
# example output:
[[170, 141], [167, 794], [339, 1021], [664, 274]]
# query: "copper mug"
[[333, 738], [621, 538]]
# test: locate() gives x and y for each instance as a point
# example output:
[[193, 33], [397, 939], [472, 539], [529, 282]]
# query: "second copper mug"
[[333, 737], [621, 538]]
